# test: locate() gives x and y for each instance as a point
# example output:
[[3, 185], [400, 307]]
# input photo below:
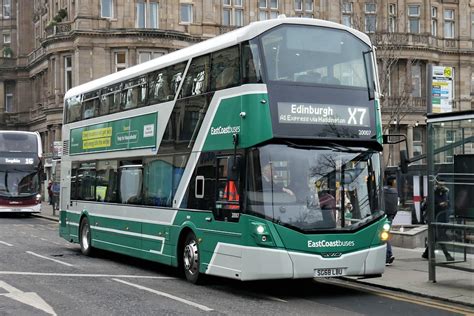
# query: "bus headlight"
[[384, 236], [386, 227], [261, 234], [38, 197]]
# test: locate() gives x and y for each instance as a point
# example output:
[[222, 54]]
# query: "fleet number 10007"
[[365, 132]]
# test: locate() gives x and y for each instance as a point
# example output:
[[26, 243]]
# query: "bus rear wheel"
[[191, 259], [85, 237]]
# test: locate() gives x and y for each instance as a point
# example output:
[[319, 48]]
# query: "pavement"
[[407, 274]]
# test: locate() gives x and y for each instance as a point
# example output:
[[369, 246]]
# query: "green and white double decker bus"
[[252, 155]]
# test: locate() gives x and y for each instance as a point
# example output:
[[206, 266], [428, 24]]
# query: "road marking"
[[57, 261], [6, 244], [28, 298], [176, 298], [410, 298], [123, 276]]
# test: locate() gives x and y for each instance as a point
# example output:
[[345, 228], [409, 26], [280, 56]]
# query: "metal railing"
[[58, 29], [36, 54], [7, 62]]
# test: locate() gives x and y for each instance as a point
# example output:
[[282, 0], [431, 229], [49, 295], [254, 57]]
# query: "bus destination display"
[[306, 113]]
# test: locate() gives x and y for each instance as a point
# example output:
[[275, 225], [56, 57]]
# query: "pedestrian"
[[391, 207], [441, 209], [50, 192], [55, 189]]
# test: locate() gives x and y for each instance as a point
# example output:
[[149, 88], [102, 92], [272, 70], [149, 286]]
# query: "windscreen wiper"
[[346, 149], [293, 145]]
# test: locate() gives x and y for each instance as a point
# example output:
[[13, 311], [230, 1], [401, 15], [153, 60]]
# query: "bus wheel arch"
[[85, 239]]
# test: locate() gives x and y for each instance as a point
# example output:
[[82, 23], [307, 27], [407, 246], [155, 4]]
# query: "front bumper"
[[255, 263]]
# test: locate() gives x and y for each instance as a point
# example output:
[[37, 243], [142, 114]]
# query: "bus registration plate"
[[329, 272]]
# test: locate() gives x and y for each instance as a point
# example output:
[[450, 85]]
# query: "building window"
[[9, 102], [392, 17], [450, 136], [388, 82], [147, 14], [472, 25], [37, 34], [186, 13], [449, 23], [9, 93], [304, 8], [434, 21], [140, 8], [418, 142], [472, 83], [7, 9], [416, 80], [120, 61], [347, 14], [146, 56], [67, 73], [370, 17], [7, 38], [298, 5], [232, 13], [54, 76], [9, 88], [268, 9], [107, 8], [414, 19], [418, 134], [7, 52]]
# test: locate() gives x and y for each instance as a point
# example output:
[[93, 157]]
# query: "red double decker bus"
[[20, 170]]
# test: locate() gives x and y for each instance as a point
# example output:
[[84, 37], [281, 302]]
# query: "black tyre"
[[85, 237], [191, 259]]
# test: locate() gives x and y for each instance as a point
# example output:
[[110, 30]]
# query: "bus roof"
[[214, 44], [12, 136]]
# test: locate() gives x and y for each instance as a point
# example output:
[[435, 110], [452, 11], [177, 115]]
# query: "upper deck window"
[[315, 55], [251, 63], [197, 78], [225, 68], [18, 142], [73, 109], [91, 105], [164, 83]]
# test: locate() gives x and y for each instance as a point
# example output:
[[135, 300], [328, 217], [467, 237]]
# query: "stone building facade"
[[49, 46]]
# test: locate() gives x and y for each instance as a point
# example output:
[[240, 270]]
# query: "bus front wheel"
[[191, 259], [85, 237]]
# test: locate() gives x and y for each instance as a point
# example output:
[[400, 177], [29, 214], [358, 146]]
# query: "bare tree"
[[394, 60]]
